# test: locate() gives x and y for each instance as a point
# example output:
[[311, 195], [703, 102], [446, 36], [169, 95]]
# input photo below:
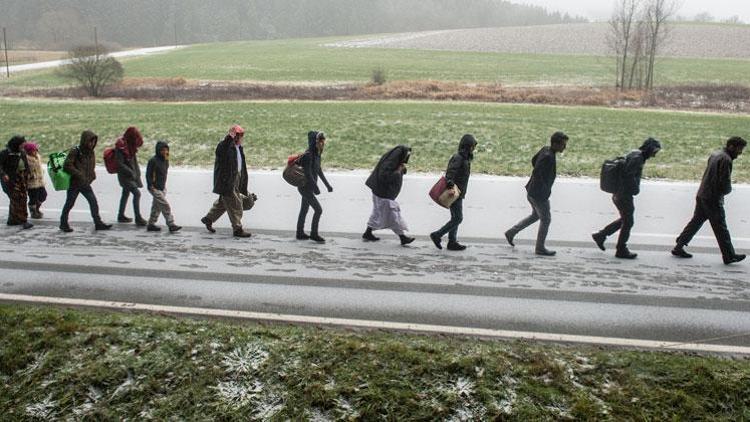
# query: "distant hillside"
[[60, 24]]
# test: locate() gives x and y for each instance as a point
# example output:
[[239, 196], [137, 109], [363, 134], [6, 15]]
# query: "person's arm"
[[150, 174], [724, 173], [543, 172], [325, 181], [454, 166], [70, 165], [632, 175], [306, 162], [123, 168]]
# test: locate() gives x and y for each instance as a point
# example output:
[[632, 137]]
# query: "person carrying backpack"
[[538, 191], [385, 182], [709, 202], [36, 187], [129, 174], [14, 174], [457, 174], [629, 186], [81, 165], [156, 183], [310, 162]]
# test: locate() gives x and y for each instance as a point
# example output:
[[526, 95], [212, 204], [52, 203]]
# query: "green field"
[[308, 60], [360, 131], [76, 365]]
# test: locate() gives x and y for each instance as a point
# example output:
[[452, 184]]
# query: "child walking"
[[156, 182]]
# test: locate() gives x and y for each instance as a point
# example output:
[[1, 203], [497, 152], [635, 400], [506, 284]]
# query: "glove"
[[330, 189]]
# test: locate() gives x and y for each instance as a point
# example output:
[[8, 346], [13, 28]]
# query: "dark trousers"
[[451, 227], [540, 211], [126, 192], [70, 201], [624, 224], [713, 211], [309, 200]]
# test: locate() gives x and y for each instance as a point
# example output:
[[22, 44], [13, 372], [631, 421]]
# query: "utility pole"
[[96, 44], [5, 44]]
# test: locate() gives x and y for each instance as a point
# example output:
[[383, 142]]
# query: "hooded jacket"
[[310, 162], [459, 166], [126, 150], [10, 158], [544, 174], [387, 177], [717, 179], [36, 171], [225, 168], [634, 162], [157, 169], [81, 161]]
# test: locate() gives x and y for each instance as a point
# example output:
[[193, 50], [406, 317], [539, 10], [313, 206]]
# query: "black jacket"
[[81, 161], [544, 174], [225, 168], [387, 177], [459, 166], [128, 171], [10, 157], [717, 179], [631, 174], [157, 169], [310, 162]]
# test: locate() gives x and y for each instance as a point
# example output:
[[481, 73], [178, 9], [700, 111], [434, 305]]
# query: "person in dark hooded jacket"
[[156, 183], [457, 174], [230, 182], [14, 174], [630, 186], [310, 162], [129, 174], [80, 163], [385, 182], [538, 191], [709, 202]]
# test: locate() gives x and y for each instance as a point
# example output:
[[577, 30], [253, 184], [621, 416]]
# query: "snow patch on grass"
[[244, 360], [45, 409]]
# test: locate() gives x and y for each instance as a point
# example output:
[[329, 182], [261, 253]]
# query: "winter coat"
[[459, 166], [128, 170], [36, 172], [388, 176], [11, 158], [225, 168], [81, 161], [544, 174], [631, 174], [310, 162], [717, 179], [157, 169]]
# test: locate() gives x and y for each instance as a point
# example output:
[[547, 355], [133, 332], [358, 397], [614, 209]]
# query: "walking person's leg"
[[88, 193], [137, 206], [121, 218], [692, 227], [457, 216], [302, 216], [627, 215], [542, 209], [70, 200], [526, 222], [608, 230], [317, 213], [718, 219]]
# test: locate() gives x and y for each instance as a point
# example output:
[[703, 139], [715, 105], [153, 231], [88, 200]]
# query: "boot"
[[26, 225], [734, 258], [624, 253], [369, 237], [123, 219], [545, 252], [140, 222], [241, 234], [405, 240], [680, 252], [455, 246], [101, 226], [436, 240], [173, 228], [208, 224], [509, 235], [317, 238], [303, 236], [153, 228], [65, 228], [599, 240], [34, 211]]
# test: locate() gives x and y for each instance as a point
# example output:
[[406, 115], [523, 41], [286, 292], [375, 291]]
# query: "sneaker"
[[26, 225], [679, 252], [625, 254], [509, 237], [545, 252], [303, 236], [405, 240], [209, 225], [734, 258], [455, 246], [123, 219], [153, 228], [436, 240], [141, 222], [599, 240], [100, 226], [369, 237], [65, 228], [316, 238], [174, 228]]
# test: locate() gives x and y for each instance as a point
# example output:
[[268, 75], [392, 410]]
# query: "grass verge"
[[67, 364], [360, 131]]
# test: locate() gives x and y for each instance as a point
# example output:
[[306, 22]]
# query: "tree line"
[[63, 24]]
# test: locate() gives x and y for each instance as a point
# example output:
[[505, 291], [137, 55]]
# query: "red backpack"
[[110, 162]]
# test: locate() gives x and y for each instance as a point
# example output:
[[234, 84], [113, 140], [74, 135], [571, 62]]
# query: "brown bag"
[[248, 201], [294, 175], [442, 195]]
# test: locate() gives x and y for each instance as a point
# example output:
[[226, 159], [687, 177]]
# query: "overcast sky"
[[601, 9]]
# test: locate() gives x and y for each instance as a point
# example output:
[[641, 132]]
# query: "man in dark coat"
[[14, 174], [230, 181], [385, 182], [538, 190], [457, 174], [310, 162], [129, 174], [156, 183], [630, 186], [81, 165], [709, 203]]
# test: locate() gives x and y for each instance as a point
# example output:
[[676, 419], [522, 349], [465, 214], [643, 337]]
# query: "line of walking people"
[[22, 177]]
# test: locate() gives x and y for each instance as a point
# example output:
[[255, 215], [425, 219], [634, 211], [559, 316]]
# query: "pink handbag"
[[442, 195]]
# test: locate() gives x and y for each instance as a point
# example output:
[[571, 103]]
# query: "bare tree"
[[656, 15], [620, 39], [93, 69]]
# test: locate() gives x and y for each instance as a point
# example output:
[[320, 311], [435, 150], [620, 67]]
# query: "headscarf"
[[236, 130], [30, 147]]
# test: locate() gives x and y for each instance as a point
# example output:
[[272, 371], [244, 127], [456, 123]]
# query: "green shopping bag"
[[60, 178]]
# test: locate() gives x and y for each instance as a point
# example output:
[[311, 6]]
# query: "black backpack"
[[611, 175]]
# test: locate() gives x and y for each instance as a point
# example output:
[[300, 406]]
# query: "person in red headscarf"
[[129, 174], [36, 184]]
